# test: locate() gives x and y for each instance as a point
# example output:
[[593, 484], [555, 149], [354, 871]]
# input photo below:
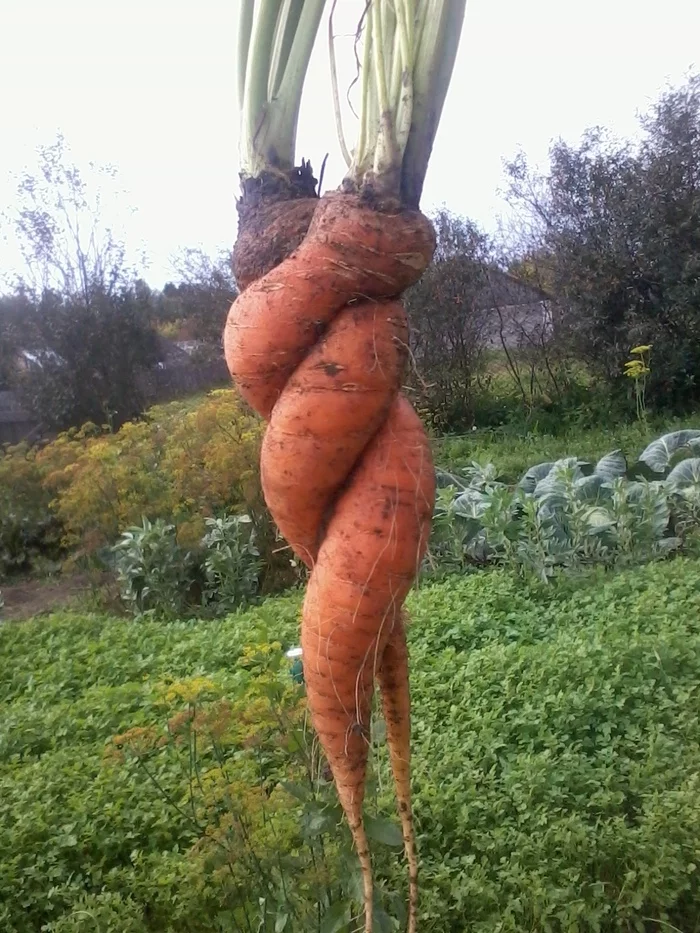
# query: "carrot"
[[392, 677], [350, 252], [365, 567], [318, 347], [359, 360]]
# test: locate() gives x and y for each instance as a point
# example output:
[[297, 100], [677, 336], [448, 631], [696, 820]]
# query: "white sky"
[[149, 86]]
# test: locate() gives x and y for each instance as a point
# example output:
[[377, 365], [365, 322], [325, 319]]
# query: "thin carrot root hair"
[[318, 347]]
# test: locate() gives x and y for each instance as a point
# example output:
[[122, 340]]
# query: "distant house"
[[513, 314], [16, 424], [190, 346]]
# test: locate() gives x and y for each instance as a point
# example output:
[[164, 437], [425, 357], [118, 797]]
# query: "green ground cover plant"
[[557, 753]]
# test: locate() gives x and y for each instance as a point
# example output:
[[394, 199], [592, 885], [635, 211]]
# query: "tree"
[[65, 243], [87, 319], [89, 358], [446, 322], [618, 228], [14, 310], [195, 307]]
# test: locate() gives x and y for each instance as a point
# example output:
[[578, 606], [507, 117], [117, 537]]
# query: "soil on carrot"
[[274, 213], [34, 597]]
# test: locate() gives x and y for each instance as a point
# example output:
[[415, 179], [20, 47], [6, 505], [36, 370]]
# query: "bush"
[[28, 530], [231, 563], [156, 575], [95, 348], [578, 403], [180, 463], [161, 578], [613, 228], [184, 463]]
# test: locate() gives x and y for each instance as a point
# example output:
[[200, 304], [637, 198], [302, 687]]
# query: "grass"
[[556, 761]]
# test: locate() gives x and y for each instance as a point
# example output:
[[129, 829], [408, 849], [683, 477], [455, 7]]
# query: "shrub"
[[582, 214], [231, 562], [156, 575], [160, 577], [180, 463], [28, 530]]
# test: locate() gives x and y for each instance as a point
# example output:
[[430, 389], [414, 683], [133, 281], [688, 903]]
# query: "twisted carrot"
[[318, 346]]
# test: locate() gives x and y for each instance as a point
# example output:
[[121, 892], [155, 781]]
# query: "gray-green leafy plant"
[[159, 577], [669, 449], [231, 562], [155, 574], [570, 513]]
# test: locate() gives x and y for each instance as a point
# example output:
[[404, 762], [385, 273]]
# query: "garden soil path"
[[32, 597]]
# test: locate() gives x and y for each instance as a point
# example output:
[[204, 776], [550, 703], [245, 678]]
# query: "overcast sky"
[[149, 86]]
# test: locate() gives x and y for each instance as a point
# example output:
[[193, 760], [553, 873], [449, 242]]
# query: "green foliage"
[[231, 562], [162, 778], [667, 450], [159, 577], [195, 307], [614, 228], [14, 311], [184, 463], [181, 463], [154, 572], [175, 799], [94, 349], [28, 530], [569, 513], [94, 913], [513, 449], [555, 799], [444, 310]]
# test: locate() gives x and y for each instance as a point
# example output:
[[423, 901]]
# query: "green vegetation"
[[183, 463], [161, 578], [557, 748], [156, 485], [571, 513]]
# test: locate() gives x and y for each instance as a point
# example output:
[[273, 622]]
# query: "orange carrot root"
[[318, 346], [392, 677]]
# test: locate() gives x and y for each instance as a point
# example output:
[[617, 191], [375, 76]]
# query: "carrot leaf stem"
[[275, 40], [410, 48]]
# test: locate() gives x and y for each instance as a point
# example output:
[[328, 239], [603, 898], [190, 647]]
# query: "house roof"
[[39, 357], [171, 353], [505, 290]]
